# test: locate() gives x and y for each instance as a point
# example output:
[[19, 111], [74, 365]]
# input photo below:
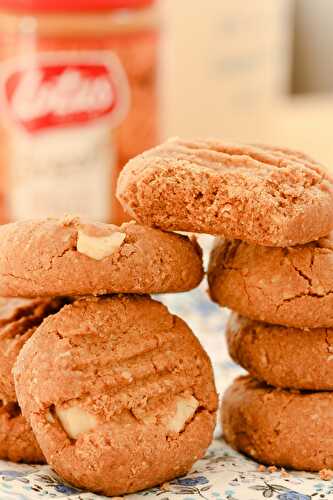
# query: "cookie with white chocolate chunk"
[[119, 392], [52, 257]]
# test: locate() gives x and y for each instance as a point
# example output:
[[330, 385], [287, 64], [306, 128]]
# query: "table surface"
[[222, 474]]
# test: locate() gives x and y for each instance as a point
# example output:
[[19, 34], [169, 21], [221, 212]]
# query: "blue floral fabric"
[[222, 474]]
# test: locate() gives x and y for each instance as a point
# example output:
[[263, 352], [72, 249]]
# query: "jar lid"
[[71, 5]]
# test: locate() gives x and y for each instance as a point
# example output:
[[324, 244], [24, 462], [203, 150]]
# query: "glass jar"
[[79, 88]]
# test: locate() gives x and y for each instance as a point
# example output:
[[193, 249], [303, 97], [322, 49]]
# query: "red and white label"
[[61, 109], [60, 91]]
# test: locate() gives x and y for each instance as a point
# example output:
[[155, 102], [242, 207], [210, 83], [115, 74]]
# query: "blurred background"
[[251, 71], [87, 84]]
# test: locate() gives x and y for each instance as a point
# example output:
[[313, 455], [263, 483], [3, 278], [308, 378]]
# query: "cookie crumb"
[[326, 474], [284, 473], [165, 487], [261, 468], [271, 469]]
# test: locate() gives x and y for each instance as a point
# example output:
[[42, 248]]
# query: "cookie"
[[261, 194], [17, 441], [290, 286], [51, 257], [279, 427], [119, 392], [19, 318], [282, 356]]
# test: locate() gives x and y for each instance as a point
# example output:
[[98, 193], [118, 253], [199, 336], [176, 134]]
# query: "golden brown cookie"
[[279, 427], [17, 441], [51, 257], [19, 318], [291, 286], [261, 194], [282, 356], [119, 393]]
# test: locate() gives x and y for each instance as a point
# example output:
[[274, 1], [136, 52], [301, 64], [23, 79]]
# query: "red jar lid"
[[71, 5]]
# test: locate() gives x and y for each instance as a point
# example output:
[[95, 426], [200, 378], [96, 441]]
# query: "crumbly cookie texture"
[[286, 357], [19, 318], [120, 393], [291, 286], [260, 194], [17, 441], [279, 427], [51, 257]]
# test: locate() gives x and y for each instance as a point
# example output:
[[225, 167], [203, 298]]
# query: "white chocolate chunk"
[[99, 247], [75, 420], [185, 409]]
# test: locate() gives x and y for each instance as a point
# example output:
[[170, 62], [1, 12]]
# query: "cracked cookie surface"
[[290, 286], [261, 194], [282, 356], [119, 393], [51, 257], [289, 429]]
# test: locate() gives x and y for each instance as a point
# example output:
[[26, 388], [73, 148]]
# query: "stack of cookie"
[[282, 334], [274, 207], [119, 393]]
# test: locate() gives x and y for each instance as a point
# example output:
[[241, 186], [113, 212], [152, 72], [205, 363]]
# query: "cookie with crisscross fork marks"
[[119, 393], [261, 194]]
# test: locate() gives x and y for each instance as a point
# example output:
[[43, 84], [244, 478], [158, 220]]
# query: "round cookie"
[[51, 257], [17, 441], [19, 318], [282, 356], [279, 427], [261, 194], [290, 286], [119, 393]]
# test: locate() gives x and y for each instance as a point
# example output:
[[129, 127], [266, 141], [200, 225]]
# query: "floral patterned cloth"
[[222, 474]]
